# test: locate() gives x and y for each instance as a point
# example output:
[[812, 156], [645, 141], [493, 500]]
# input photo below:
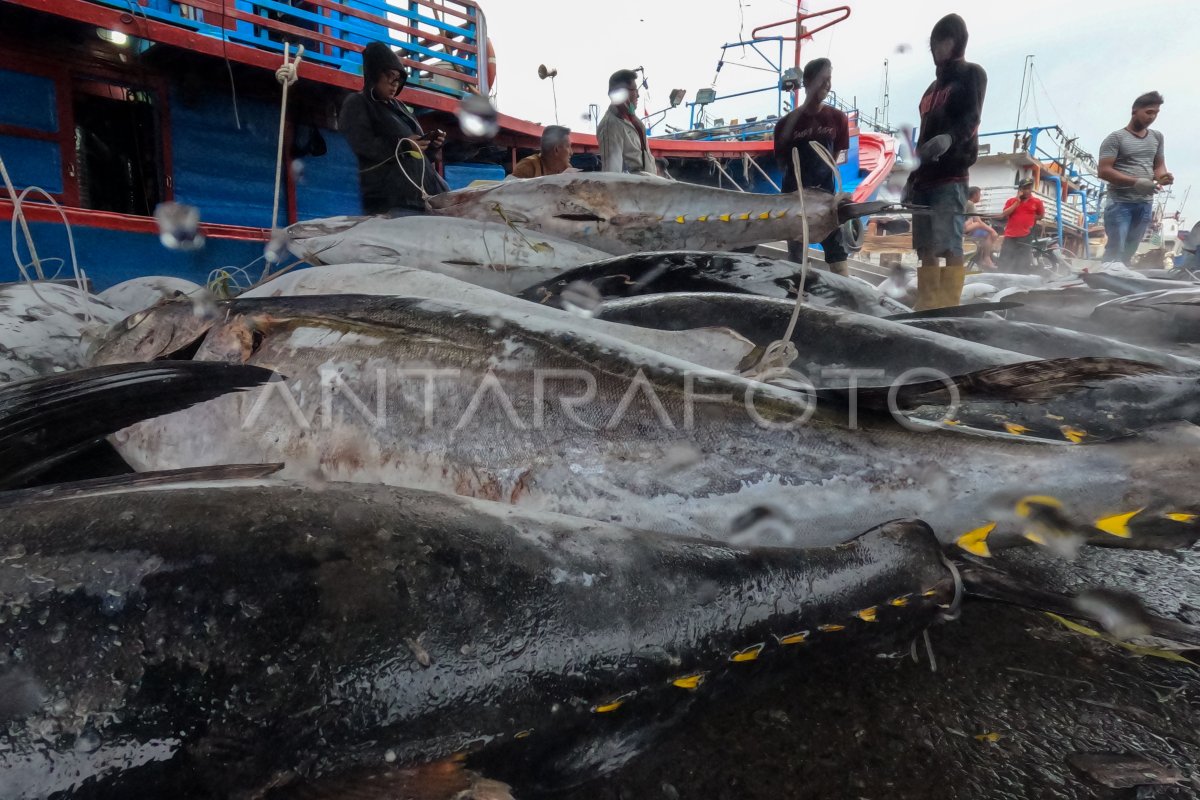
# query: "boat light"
[[116, 37]]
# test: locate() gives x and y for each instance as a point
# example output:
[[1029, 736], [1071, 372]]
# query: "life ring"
[[491, 65]]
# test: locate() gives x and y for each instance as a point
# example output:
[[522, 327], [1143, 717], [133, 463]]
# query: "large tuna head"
[[164, 330]]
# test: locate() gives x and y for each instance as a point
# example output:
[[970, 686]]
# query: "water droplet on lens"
[[276, 248], [87, 742], [582, 298], [619, 97], [477, 117], [179, 226], [389, 756]]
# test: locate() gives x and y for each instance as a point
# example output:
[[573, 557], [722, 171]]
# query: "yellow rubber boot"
[[950, 293], [929, 282]]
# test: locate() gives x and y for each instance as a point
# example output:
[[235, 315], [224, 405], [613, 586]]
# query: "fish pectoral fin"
[[447, 779]]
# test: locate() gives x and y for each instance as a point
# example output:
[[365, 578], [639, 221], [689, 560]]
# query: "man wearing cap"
[[1022, 213]]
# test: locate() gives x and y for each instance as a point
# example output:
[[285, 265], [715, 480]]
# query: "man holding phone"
[[395, 156]]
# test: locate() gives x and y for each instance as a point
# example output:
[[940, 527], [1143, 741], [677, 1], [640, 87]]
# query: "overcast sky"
[[1092, 57]]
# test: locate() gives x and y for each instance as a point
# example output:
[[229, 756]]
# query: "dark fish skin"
[[693, 271], [205, 641], [1131, 284], [1161, 316], [825, 337], [1049, 341]]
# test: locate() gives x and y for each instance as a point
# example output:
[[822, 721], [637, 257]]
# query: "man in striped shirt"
[[1133, 164]]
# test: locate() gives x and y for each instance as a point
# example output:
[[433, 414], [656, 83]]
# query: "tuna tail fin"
[[849, 211], [45, 420], [965, 310], [985, 583]]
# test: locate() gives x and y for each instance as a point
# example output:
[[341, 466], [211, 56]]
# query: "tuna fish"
[[44, 328], [1049, 341], [137, 294], [255, 639], [172, 327], [741, 273], [524, 411], [640, 213], [1167, 315], [503, 257], [46, 420]]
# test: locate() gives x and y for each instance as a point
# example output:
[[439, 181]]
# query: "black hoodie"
[[952, 104], [373, 127]]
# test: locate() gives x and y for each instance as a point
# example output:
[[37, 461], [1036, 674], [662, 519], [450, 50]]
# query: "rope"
[[755, 164], [416, 152], [780, 353], [19, 217], [286, 75], [717, 163]]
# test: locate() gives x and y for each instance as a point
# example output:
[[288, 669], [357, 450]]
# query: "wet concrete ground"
[[882, 727]]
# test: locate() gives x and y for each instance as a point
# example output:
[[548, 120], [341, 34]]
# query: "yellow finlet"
[[987, 737], [951, 422], [744, 216], [867, 614], [975, 541], [689, 681], [748, 654], [1136, 649], [681, 219], [1118, 524], [523, 734], [1075, 435], [799, 637], [929, 593], [765, 215], [780, 214], [724, 218], [1015, 429], [830, 628], [612, 705], [1036, 538], [899, 602], [702, 219], [1025, 505], [1179, 516]]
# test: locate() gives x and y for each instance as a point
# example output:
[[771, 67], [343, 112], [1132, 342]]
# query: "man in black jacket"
[[391, 173], [952, 105]]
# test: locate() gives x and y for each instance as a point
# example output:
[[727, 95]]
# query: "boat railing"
[[439, 38]]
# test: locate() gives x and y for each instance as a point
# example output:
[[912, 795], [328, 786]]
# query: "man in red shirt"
[[1022, 213]]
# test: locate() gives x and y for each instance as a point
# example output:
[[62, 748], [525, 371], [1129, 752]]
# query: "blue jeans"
[[1125, 224], [938, 232]]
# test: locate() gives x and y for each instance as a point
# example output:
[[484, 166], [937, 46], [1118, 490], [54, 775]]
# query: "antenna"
[[1021, 100]]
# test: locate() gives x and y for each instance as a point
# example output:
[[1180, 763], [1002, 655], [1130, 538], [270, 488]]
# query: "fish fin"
[[986, 583], [849, 211], [45, 420], [751, 359], [138, 480], [1160, 526], [965, 310], [439, 780]]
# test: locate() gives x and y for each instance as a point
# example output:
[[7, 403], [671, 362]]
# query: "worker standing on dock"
[[952, 106], [814, 121], [1133, 164]]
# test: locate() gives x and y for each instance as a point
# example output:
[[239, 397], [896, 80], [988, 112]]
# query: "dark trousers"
[[1016, 255]]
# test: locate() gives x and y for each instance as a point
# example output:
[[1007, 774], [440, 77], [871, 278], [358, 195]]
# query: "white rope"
[[417, 153], [763, 172], [19, 217], [717, 163], [780, 353], [286, 75]]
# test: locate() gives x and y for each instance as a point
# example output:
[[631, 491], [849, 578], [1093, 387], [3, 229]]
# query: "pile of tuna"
[[495, 495]]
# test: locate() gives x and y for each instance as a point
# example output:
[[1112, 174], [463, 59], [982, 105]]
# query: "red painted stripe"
[[128, 223]]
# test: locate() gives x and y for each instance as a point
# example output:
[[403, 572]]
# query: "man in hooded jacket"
[[952, 105], [393, 176]]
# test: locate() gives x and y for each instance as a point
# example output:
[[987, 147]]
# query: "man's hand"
[[1166, 179], [435, 141], [1145, 185]]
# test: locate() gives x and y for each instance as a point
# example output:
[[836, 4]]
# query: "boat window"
[[117, 146]]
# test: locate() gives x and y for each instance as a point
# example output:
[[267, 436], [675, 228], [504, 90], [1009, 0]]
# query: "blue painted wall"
[[32, 162], [229, 174], [29, 101], [329, 184]]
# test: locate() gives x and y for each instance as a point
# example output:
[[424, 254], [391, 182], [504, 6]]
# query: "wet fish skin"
[[694, 271], [613, 457], [207, 640], [826, 338], [641, 213], [1169, 315], [1050, 341], [44, 328], [486, 253]]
